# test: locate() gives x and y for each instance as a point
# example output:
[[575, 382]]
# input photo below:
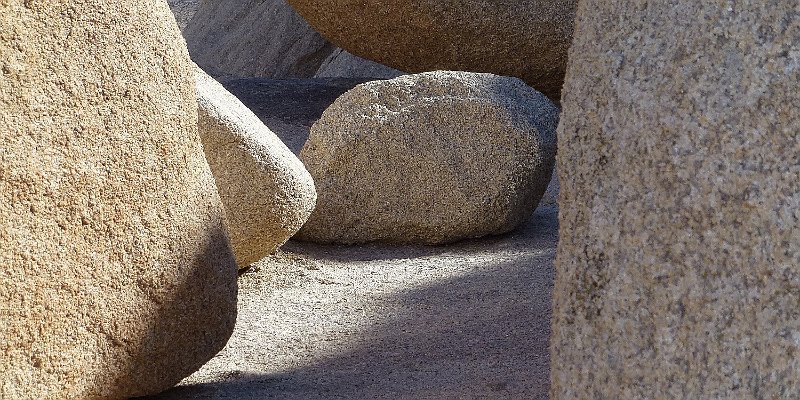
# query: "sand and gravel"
[[463, 321]]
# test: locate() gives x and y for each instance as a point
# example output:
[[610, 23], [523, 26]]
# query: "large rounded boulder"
[[116, 275], [429, 158], [528, 39], [266, 190]]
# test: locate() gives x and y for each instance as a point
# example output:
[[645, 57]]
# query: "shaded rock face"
[[429, 158], [267, 192], [183, 10], [289, 107], [678, 273], [341, 64], [528, 39], [262, 38], [116, 275]]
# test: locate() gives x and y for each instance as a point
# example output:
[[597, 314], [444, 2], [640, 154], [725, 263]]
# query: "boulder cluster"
[[146, 157], [135, 183]]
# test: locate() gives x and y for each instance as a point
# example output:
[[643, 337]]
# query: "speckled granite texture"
[[429, 158], [116, 275], [678, 272]]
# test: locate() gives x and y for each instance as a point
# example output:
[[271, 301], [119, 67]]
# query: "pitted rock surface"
[[527, 39], [267, 192], [429, 158], [116, 275], [678, 273]]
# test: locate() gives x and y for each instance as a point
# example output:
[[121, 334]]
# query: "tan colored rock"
[[260, 38], [528, 39], [116, 276], [429, 158], [267, 192], [678, 273]]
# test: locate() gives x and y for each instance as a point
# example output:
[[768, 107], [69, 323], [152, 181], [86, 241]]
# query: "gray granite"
[[429, 158], [678, 270]]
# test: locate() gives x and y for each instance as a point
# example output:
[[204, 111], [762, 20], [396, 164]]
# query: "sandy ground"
[[465, 321]]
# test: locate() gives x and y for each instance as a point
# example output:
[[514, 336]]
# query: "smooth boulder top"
[[116, 276], [528, 39], [267, 192], [678, 268], [429, 158]]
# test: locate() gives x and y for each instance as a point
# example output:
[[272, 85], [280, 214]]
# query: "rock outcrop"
[[262, 38], [267, 192], [116, 275], [528, 39], [429, 158], [678, 269]]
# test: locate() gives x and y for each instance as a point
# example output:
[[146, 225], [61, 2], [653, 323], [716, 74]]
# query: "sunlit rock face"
[[678, 272]]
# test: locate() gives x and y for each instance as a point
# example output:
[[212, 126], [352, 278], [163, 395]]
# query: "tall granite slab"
[[678, 270]]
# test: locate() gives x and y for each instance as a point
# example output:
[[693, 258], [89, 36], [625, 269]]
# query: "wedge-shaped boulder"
[[267, 192]]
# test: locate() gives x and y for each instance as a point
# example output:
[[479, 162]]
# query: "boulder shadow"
[[483, 335]]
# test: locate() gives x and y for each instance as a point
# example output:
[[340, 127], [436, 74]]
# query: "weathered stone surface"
[[259, 38], [116, 276], [528, 39], [678, 273], [267, 192], [429, 158], [289, 107]]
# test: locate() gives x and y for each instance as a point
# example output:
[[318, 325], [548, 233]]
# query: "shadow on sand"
[[482, 335]]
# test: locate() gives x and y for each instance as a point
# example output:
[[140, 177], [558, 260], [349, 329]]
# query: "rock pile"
[[429, 158], [116, 275], [289, 107], [184, 10]]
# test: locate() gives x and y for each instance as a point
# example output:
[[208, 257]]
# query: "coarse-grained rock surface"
[[267, 192], [527, 39], [183, 10], [678, 273], [262, 38], [289, 107], [429, 158], [116, 276]]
